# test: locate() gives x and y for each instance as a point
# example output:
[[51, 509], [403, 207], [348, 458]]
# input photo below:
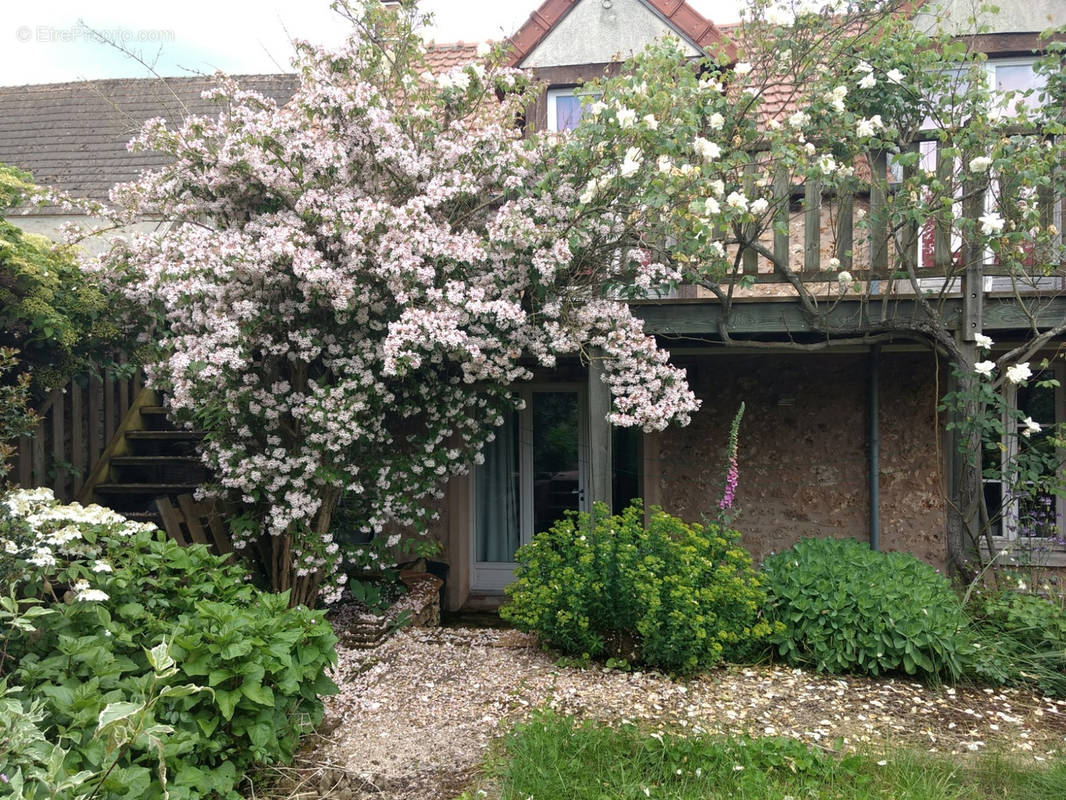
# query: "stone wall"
[[803, 449]]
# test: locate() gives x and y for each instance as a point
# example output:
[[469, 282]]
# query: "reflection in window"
[[566, 107]]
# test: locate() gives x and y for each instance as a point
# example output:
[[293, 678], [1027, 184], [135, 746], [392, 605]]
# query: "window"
[[566, 107], [534, 471], [1032, 515], [1016, 75]]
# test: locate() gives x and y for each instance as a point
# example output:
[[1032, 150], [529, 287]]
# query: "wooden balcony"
[[787, 273]]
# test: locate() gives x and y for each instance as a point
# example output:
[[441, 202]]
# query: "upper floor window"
[[1016, 75], [566, 107]]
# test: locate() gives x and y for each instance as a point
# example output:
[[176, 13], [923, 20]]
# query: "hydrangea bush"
[[133, 667]]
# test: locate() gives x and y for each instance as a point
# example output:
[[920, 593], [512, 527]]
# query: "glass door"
[[534, 471]]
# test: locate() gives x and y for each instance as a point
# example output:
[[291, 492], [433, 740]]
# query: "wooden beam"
[[785, 317]]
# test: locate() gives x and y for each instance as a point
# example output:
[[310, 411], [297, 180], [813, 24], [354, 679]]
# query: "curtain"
[[496, 495]]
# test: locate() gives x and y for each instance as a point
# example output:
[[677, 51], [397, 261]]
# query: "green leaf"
[[114, 713], [159, 657], [258, 694], [183, 691], [227, 702]]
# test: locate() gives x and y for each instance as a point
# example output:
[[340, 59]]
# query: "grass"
[[551, 757]]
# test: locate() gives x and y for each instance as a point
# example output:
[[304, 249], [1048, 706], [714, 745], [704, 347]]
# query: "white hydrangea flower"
[[980, 164]]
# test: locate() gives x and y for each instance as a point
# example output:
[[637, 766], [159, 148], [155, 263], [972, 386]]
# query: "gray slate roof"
[[73, 135]]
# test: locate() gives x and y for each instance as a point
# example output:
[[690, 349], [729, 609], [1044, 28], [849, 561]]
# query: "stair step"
[[152, 461], [173, 436], [144, 516], [157, 489]]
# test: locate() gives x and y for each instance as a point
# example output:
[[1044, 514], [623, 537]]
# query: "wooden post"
[[911, 232], [846, 230], [95, 431], [945, 166], [599, 433], [750, 258], [109, 406], [878, 211], [25, 463], [812, 225], [77, 437], [973, 257], [782, 199], [58, 442]]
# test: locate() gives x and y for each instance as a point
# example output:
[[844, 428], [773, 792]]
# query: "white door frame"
[[491, 578]]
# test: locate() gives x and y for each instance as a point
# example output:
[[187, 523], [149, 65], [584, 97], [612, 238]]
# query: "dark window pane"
[[556, 471], [626, 471]]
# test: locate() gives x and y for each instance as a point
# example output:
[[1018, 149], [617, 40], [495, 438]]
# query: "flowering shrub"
[[846, 608], [51, 309], [221, 675], [353, 280], [672, 595]]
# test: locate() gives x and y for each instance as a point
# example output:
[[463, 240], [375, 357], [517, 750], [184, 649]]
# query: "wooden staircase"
[[147, 459]]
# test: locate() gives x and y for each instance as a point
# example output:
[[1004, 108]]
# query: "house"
[[840, 438]]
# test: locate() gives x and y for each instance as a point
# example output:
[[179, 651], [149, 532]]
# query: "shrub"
[[246, 675], [674, 595], [1021, 641], [846, 608]]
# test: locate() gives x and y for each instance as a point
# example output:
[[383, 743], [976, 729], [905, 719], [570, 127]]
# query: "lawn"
[[551, 757]]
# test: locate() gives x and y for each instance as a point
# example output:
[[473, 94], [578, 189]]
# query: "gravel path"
[[416, 715]]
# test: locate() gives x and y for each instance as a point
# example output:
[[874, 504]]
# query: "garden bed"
[[416, 716]]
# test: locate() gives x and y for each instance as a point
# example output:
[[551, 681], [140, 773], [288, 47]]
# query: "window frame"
[[1009, 539]]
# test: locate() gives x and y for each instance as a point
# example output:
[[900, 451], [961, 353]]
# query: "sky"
[[51, 41]]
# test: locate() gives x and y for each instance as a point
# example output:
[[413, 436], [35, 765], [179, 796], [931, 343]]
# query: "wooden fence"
[[76, 424]]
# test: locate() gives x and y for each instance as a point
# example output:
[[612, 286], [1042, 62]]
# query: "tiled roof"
[[679, 14], [445, 56], [73, 135]]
